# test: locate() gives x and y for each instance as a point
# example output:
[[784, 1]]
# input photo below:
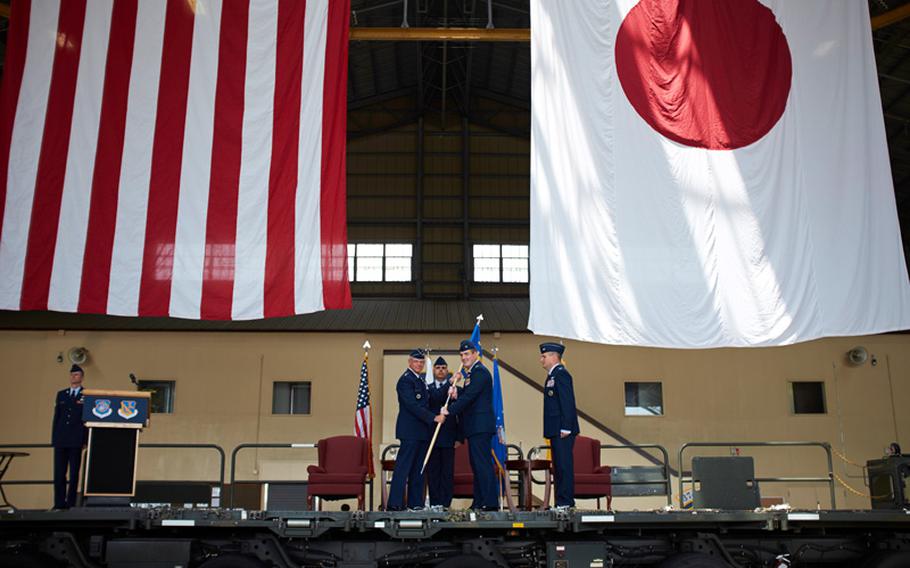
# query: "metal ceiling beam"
[[524, 34], [891, 17], [441, 34]]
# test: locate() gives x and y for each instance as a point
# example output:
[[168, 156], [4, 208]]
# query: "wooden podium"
[[114, 420]]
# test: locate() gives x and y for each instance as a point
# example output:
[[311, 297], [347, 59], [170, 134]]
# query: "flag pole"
[[366, 358], [426, 458]]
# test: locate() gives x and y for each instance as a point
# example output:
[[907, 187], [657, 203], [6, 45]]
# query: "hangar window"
[[378, 262], [500, 263], [808, 397], [644, 399], [291, 397], [162, 401]]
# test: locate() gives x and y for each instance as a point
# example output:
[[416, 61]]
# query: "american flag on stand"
[[363, 416]]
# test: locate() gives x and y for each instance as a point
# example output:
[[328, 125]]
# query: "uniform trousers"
[[407, 476], [441, 476], [65, 493], [480, 450], [564, 469]]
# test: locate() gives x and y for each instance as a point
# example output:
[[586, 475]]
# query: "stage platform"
[[111, 537], [424, 524]]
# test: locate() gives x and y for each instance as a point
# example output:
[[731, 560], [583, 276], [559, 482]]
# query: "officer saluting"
[[68, 436], [474, 406], [413, 431], [560, 421], [440, 470]]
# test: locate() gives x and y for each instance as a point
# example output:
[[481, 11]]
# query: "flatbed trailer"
[[219, 538]]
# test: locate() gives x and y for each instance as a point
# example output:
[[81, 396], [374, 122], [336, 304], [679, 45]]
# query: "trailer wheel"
[[232, 561], [693, 560], [466, 561], [888, 560], [26, 560]]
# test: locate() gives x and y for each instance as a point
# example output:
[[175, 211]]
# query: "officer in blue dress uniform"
[[474, 407], [441, 467], [560, 421], [413, 430], [68, 436]]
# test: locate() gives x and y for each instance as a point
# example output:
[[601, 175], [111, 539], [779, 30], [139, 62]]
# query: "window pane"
[[369, 269], [281, 398], [399, 250], [398, 269], [369, 250], [162, 401], [486, 270], [809, 397], [515, 251], [352, 248], [514, 269], [300, 398], [291, 397], [644, 399], [486, 251]]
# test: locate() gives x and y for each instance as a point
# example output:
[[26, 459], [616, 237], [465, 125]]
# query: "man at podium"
[[68, 436]]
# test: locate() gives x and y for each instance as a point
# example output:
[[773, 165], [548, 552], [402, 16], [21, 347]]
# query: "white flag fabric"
[[174, 157], [708, 174]]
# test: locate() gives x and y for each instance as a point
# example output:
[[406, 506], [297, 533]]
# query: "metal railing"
[[666, 481], [215, 447], [665, 466], [829, 479], [237, 450], [513, 447]]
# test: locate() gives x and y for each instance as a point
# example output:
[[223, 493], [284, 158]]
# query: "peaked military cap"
[[440, 361], [418, 354], [76, 369], [466, 345], [550, 347]]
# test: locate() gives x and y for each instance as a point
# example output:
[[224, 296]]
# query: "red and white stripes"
[[171, 157]]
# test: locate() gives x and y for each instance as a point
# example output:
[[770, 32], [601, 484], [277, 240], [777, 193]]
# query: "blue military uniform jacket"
[[448, 431], [559, 411], [68, 430], [415, 420], [475, 402]]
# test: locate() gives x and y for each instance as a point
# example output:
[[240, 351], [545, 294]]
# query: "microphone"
[[134, 380]]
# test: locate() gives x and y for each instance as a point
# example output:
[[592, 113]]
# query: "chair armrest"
[[315, 469]]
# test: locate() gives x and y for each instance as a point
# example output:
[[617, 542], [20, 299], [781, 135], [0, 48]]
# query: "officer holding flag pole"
[[413, 430], [474, 406]]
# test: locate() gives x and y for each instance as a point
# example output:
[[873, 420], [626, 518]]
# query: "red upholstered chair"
[[342, 470], [592, 480]]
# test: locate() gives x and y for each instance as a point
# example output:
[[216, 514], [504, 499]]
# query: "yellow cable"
[[860, 493], [845, 459]]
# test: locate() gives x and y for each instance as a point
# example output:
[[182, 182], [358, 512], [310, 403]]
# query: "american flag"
[[363, 416], [176, 158]]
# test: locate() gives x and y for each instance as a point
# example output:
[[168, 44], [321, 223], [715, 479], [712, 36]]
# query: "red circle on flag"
[[705, 73]]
